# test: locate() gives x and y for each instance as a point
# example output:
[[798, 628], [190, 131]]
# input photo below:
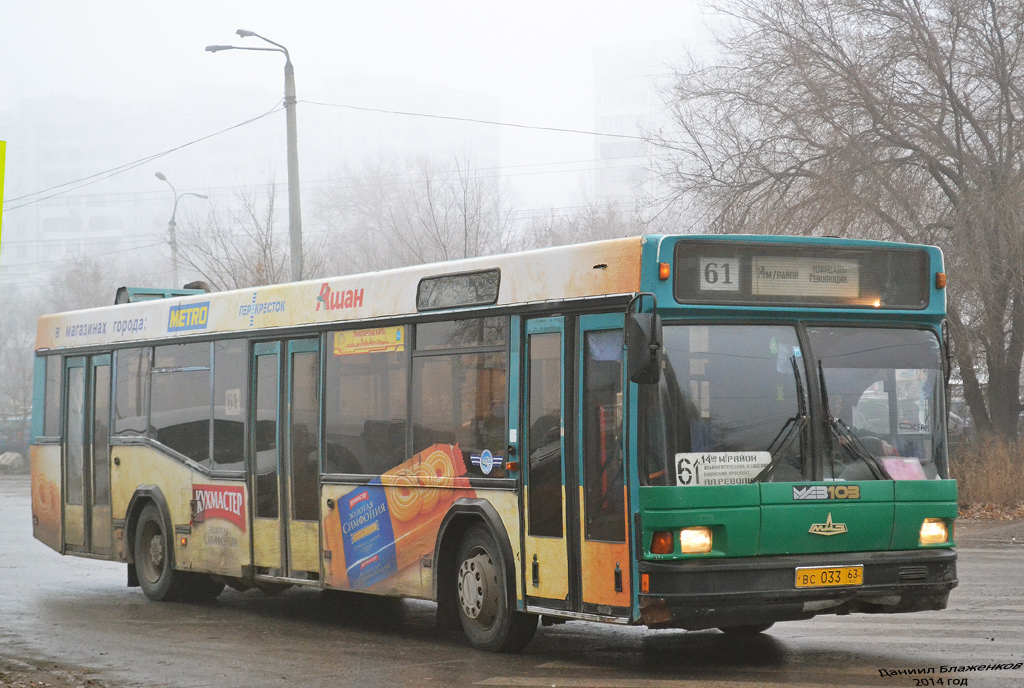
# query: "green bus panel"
[[787, 529], [917, 500], [698, 496], [733, 512], [925, 490]]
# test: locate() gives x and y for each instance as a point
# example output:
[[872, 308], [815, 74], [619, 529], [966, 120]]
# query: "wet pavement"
[[74, 621]]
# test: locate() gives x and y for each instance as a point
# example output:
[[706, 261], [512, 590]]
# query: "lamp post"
[[294, 213], [172, 227]]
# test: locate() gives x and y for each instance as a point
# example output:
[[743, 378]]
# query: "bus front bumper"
[[714, 593]]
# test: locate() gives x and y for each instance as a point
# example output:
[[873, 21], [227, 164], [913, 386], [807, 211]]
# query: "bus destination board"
[[764, 274]]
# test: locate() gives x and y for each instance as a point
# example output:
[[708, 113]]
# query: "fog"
[[97, 98]]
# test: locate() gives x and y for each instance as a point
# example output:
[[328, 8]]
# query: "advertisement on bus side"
[[380, 533]]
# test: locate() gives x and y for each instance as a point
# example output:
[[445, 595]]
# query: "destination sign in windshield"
[[771, 274]]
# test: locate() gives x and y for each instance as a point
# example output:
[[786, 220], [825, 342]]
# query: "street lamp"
[[172, 227], [294, 214]]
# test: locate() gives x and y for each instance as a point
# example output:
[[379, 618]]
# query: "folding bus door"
[[546, 547], [264, 460], [75, 451], [302, 459], [101, 529], [285, 460], [86, 455], [603, 523]]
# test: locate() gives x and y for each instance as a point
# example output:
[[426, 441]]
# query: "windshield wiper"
[[839, 430], [791, 429]]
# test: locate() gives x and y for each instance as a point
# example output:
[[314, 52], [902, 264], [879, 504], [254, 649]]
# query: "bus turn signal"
[[662, 542]]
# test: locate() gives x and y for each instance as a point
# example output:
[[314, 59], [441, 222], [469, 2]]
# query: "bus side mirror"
[[643, 344]]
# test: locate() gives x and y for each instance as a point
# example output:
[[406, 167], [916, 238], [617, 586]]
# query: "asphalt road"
[[79, 613]]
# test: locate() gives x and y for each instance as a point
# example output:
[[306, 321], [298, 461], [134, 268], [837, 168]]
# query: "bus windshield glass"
[[731, 405], [884, 403]]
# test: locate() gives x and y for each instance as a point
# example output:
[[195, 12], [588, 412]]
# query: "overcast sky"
[[535, 58], [142, 49]]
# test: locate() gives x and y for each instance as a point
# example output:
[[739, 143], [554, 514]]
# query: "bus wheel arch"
[[472, 540], [151, 545], [144, 494]]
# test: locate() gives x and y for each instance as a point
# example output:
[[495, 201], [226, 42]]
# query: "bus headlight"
[[934, 532], [695, 540]]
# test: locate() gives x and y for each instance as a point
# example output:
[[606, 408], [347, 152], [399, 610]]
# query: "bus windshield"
[[884, 403], [733, 406], [731, 403]]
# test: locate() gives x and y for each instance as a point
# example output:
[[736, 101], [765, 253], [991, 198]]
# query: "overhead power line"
[[75, 184], [11, 276], [106, 174], [474, 120]]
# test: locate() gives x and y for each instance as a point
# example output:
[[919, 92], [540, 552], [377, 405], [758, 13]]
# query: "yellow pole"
[[3, 155]]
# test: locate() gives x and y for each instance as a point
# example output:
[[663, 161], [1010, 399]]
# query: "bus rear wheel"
[[482, 600], [154, 555]]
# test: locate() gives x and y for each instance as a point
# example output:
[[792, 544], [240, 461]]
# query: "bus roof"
[[565, 272]]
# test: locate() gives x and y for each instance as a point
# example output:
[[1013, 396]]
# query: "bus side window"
[[131, 398], [364, 411], [602, 436], [459, 392], [180, 406], [51, 417], [230, 392]]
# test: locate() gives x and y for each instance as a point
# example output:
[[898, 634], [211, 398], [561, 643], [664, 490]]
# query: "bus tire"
[[481, 596], [746, 629], [154, 557]]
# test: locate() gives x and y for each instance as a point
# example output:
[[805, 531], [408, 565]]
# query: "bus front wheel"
[[154, 554], [482, 599]]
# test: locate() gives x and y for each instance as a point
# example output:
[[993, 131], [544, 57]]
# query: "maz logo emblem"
[[826, 492], [827, 528]]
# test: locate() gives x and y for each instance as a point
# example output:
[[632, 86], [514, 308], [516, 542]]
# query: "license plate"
[[829, 576]]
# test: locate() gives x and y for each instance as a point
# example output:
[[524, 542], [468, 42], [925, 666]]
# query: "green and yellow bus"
[[676, 431]]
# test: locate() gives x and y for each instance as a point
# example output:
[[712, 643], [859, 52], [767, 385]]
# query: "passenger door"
[[603, 524], [545, 543], [285, 460], [576, 554], [86, 455]]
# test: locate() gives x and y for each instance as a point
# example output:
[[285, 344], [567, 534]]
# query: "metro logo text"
[[218, 501], [826, 492], [193, 316]]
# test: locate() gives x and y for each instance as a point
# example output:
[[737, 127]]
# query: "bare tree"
[[891, 119], [16, 339], [392, 212], [590, 221], [77, 283], [244, 245]]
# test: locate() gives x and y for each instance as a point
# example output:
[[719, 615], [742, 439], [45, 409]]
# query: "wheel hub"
[[156, 552], [478, 589]]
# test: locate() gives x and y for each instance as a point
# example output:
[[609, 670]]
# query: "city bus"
[[688, 431]]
